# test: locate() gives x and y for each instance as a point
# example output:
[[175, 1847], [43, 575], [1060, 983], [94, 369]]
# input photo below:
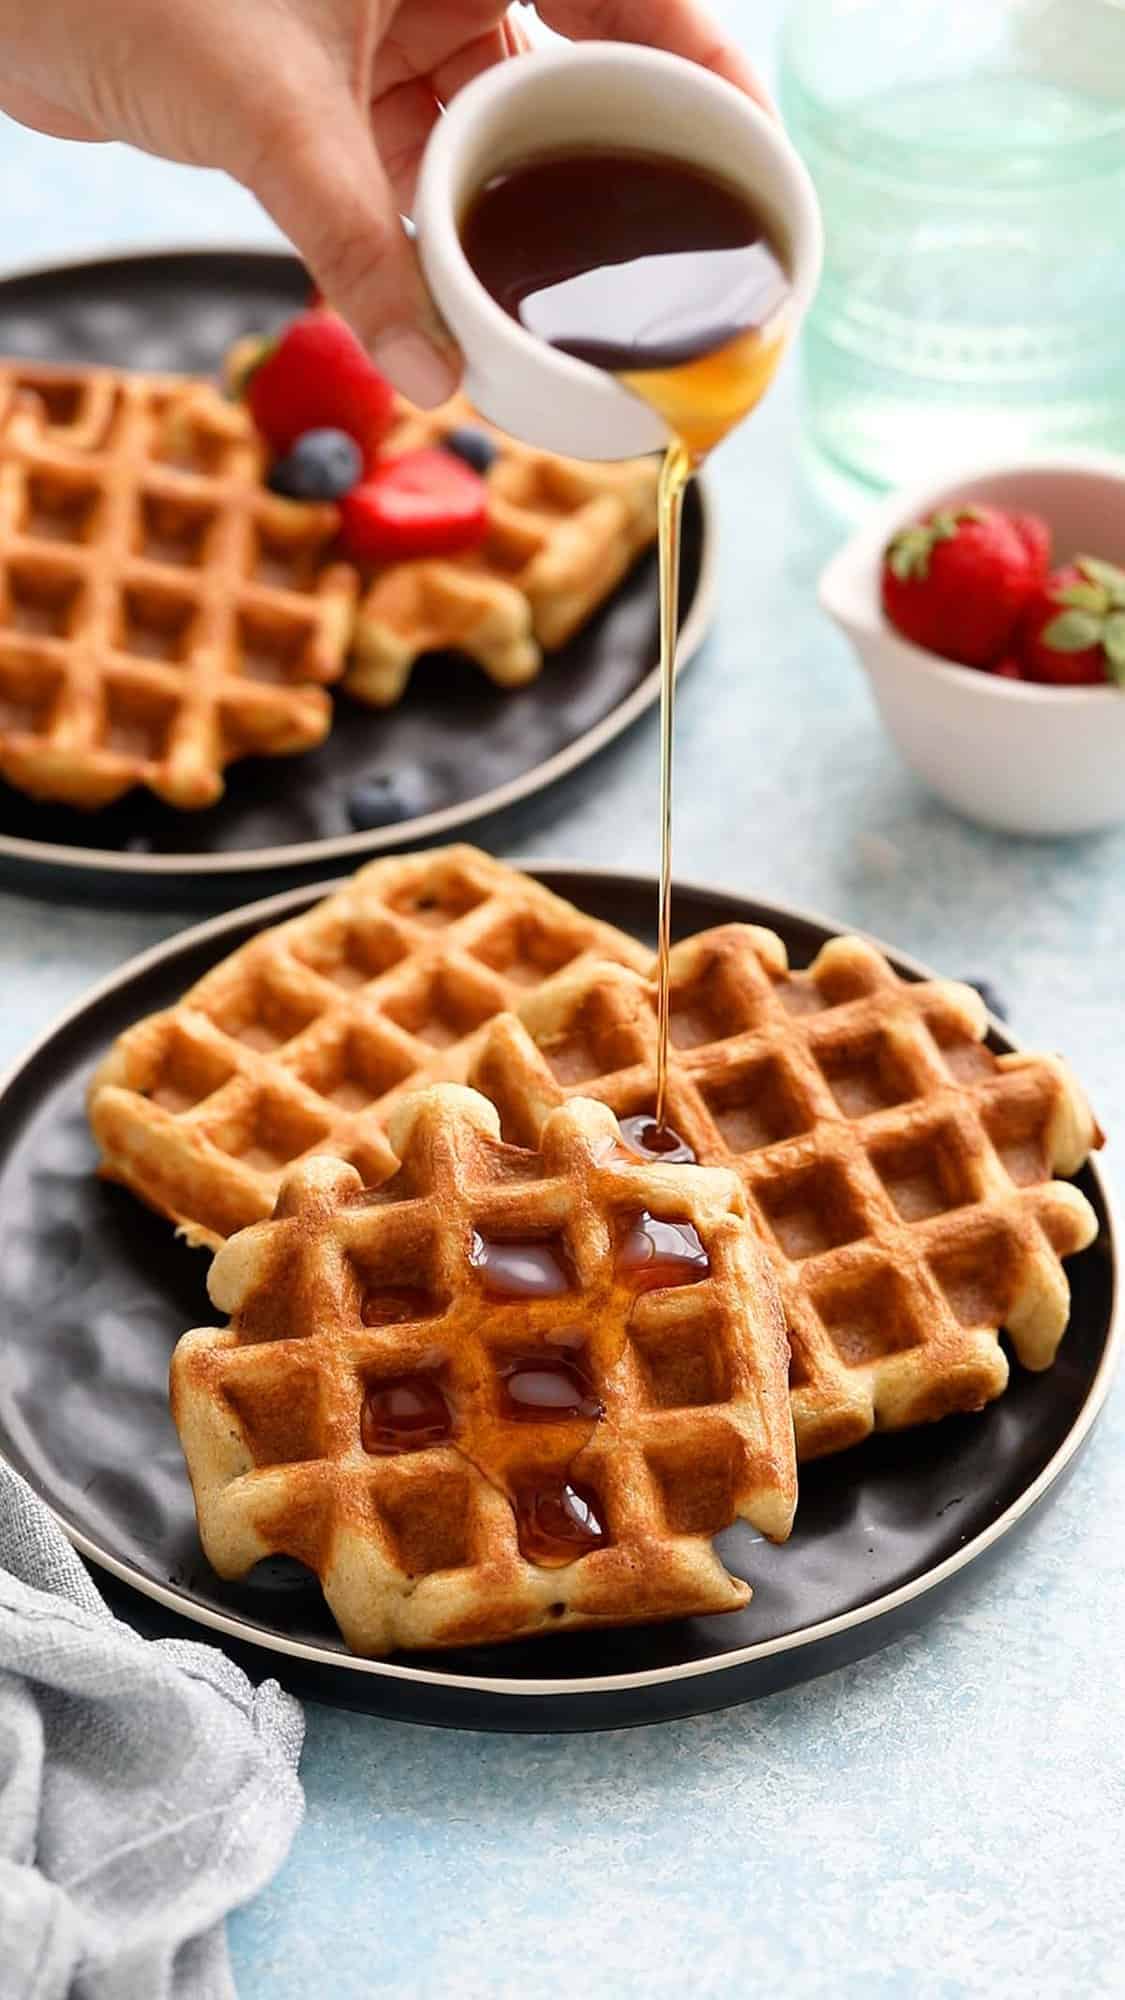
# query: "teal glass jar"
[[969, 156]]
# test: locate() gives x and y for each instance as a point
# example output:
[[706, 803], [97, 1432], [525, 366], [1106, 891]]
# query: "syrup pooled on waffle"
[[901, 1175], [303, 1039], [161, 612], [561, 535], [507, 1392]]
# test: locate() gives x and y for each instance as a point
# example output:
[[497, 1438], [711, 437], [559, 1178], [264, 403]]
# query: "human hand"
[[321, 108]]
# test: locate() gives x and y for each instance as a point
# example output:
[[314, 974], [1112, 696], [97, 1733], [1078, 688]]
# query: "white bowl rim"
[[980, 681], [909, 502]]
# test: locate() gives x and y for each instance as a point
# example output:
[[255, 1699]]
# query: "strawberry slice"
[[426, 503], [316, 376]]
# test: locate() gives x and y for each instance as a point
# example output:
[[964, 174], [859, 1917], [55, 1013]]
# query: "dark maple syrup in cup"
[[669, 278]]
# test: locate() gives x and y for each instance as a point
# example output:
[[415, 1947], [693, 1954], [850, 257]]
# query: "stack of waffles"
[[885, 1186], [162, 613], [901, 1175]]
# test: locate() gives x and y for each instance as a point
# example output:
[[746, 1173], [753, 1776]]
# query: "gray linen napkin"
[[146, 1787]]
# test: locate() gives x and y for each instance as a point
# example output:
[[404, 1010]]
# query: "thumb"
[[318, 174]]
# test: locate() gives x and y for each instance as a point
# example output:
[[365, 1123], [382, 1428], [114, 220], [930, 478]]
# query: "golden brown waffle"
[[460, 1462], [561, 535], [301, 1041], [901, 1175], [75, 405], [161, 613]]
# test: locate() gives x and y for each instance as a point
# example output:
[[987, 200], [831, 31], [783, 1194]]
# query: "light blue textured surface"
[[943, 1820]]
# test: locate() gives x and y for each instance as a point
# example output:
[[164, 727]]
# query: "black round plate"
[[475, 748], [94, 1292]]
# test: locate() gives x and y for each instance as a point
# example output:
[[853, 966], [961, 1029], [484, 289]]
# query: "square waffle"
[[161, 612], [302, 1040], [561, 535], [900, 1174], [487, 1399]]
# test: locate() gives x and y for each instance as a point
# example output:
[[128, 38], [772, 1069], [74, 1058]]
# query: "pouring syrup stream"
[[660, 273]]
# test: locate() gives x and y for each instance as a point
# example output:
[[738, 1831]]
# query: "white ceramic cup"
[[599, 94]]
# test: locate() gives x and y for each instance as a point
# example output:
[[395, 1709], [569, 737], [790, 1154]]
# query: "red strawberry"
[[316, 376], [1035, 535], [1008, 669], [426, 503], [1072, 633], [956, 584]]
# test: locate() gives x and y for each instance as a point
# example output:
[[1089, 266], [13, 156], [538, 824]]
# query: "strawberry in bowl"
[[1072, 629], [972, 583], [996, 675], [957, 583]]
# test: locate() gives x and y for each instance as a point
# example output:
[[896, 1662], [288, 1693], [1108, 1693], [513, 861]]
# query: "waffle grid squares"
[[141, 643], [425, 1547], [319, 1026], [951, 1184], [162, 613], [899, 1173]]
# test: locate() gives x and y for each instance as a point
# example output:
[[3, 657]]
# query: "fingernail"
[[416, 367]]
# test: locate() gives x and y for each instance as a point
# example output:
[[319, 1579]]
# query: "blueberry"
[[990, 997], [322, 465], [474, 447], [386, 797]]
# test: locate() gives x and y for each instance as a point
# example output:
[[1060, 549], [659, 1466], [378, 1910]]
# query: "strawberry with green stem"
[[1072, 633], [313, 376], [957, 583]]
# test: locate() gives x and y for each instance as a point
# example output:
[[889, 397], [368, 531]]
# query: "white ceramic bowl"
[[599, 93], [1011, 754]]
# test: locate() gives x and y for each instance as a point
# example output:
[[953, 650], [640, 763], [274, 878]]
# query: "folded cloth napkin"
[[146, 1787]]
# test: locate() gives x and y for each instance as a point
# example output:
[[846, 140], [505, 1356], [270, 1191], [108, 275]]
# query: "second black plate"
[[95, 1291], [474, 748]]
